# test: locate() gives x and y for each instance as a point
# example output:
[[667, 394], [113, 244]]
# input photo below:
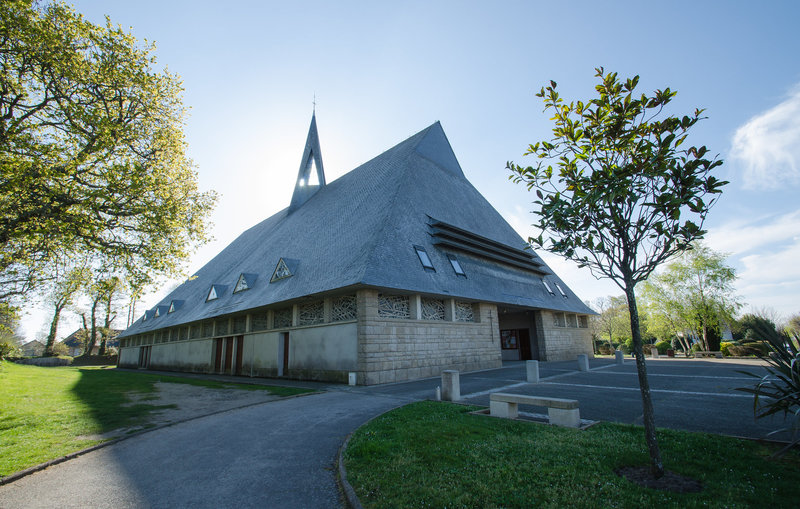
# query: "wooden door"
[[239, 352], [524, 344], [228, 354], [217, 355]]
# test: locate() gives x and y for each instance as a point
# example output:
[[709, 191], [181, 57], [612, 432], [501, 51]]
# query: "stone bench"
[[561, 412], [701, 353]]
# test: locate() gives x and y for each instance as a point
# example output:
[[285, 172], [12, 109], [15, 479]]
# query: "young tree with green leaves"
[[617, 192], [696, 292], [92, 149], [613, 321]]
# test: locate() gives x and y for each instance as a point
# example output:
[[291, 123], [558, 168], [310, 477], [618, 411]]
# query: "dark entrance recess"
[[217, 355], [228, 354], [285, 353], [518, 339], [144, 357]]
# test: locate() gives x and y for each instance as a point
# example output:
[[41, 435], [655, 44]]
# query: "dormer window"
[[456, 266], [174, 306], [546, 285], [215, 292], [281, 271], [563, 293], [245, 282], [424, 259]]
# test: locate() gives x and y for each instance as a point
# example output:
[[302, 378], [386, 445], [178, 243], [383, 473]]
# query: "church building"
[[395, 271]]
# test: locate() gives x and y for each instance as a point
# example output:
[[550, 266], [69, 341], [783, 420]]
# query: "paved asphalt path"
[[282, 453]]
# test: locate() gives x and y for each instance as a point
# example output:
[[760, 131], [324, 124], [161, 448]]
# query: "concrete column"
[[533, 371], [449, 310], [619, 356], [654, 352], [451, 388], [415, 307], [583, 362]]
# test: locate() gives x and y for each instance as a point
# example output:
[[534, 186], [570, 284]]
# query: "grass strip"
[[431, 454], [46, 413]]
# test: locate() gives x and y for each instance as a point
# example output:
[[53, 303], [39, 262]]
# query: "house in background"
[[33, 348], [395, 271], [76, 342]]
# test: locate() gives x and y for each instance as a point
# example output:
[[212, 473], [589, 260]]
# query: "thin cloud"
[[742, 235], [768, 146]]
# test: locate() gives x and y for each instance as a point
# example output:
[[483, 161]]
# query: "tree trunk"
[[93, 332], [656, 466], [51, 337]]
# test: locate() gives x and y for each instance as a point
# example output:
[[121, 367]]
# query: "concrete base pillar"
[[654, 352], [533, 371], [583, 362], [451, 388], [619, 356], [503, 409], [568, 418]]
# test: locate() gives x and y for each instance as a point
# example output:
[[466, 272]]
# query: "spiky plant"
[[779, 389]]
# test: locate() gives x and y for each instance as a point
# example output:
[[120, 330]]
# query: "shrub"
[[779, 390], [605, 349], [724, 348], [663, 346], [696, 347], [8, 349]]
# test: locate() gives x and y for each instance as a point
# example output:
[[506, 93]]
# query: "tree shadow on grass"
[[107, 392]]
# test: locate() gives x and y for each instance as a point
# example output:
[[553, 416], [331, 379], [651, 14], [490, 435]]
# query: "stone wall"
[[396, 349], [562, 342]]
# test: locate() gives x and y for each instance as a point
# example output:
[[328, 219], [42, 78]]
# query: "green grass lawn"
[[46, 413], [432, 454]]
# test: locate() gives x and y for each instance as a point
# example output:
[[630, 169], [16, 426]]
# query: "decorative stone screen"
[[208, 329], [464, 312], [283, 318], [393, 306], [311, 313], [572, 321], [583, 322], [559, 320], [184, 333], [343, 308], [239, 324], [432, 309], [259, 321], [222, 327]]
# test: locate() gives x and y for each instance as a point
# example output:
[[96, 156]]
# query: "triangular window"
[[281, 272], [158, 313], [241, 285], [171, 307], [212, 294]]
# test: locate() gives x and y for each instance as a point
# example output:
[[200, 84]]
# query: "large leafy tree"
[[612, 322], [617, 192], [91, 149], [696, 292]]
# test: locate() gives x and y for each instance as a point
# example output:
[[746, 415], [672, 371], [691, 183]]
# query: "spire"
[[311, 176]]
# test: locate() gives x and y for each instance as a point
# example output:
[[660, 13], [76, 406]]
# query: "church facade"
[[395, 271]]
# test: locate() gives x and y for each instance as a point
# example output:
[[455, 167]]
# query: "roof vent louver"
[[453, 237]]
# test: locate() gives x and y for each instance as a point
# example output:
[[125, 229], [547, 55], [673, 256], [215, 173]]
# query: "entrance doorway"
[[283, 354], [518, 335]]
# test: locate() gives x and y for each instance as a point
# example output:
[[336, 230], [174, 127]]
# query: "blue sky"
[[382, 71]]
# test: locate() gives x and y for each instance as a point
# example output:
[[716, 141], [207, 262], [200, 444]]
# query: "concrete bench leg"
[[567, 418], [503, 409]]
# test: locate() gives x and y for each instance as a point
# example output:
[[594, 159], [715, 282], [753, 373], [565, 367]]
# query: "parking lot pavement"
[[688, 395]]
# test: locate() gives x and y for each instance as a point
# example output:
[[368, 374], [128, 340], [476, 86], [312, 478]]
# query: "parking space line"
[[496, 389], [636, 389], [684, 376]]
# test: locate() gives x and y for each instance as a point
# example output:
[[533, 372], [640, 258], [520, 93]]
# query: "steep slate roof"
[[360, 230]]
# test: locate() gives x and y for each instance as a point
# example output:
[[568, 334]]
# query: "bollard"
[[451, 389], [533, 371], [351, 378], [654, 352], [583, 362], [619, 356], [438, 394]]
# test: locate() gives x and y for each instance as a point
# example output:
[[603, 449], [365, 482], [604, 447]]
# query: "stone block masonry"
[[398, 349]]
